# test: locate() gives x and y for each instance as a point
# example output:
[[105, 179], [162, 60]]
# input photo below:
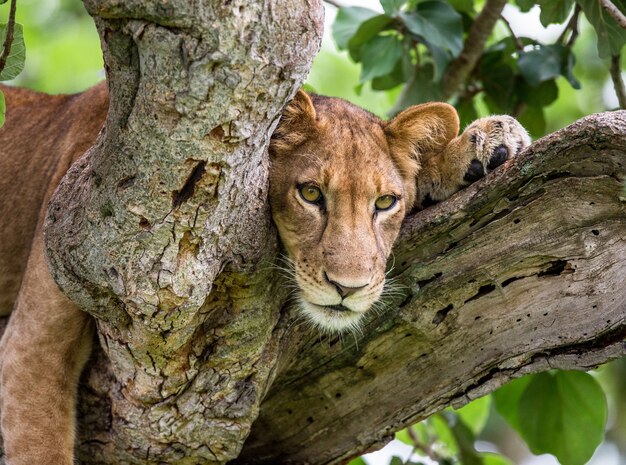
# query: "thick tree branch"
[[518, 273], [461, 67], [162, 231]]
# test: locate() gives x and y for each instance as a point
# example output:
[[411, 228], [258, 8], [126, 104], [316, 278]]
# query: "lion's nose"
[[344, 290]]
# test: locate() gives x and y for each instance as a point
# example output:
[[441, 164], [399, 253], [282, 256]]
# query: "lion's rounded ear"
[[296, 124], [422, 128]]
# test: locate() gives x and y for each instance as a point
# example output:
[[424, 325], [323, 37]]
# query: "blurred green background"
[[62, 46], [63, 56]]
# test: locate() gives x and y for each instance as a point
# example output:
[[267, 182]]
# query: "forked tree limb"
[[162, 232], [521, 272]]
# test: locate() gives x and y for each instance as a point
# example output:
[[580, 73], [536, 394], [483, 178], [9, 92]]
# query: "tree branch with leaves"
[[13, 55]]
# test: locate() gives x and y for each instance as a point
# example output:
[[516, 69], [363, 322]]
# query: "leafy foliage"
[[12, 54], [412, 45], [611, 37], [17, 54], [563, 414]]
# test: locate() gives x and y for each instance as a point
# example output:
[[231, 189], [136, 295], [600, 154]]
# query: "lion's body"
[[339, 247], [47, 340], [42, 137]]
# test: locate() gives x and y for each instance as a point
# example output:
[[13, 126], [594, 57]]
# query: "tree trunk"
[[162, 232]]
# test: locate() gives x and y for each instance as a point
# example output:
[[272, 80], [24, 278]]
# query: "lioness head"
[[341, 182]]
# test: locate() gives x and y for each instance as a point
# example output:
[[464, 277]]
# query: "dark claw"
[[474, 172], [499, 156], [428, 201]]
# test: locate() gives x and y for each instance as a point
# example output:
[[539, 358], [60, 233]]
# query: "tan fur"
[[338, 250], [47, 340]]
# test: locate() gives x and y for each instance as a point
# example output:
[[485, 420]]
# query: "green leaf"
[[611, 37], [379, 56], [392, 7], [534, 120], [495, 459], [467, 111], [396, 461], [444, 433], [391, 80], [3, 109], [507, 399], [441, 59], [438, 23], [347, 23], [541, 64], [540, 96], [568, 70], [15, 62], [525, 5], [554, 11], [465, 6], [366, 31], [475, 414], [3, 1], [546, 63], [419, 89], [563, 414], [498, 84], [465, 441]]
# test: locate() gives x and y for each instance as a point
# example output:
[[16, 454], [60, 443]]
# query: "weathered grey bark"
[[163, 230], [162, 233]]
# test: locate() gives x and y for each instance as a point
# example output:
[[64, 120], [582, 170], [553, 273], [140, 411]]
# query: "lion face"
[[338, 193]]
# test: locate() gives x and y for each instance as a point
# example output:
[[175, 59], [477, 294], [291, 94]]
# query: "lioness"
[[341, 182]]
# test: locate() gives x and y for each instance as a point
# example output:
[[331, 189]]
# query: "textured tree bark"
[[162, 232]]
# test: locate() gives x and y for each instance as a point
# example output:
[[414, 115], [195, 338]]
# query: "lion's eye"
[[310, 193], [385, 202]]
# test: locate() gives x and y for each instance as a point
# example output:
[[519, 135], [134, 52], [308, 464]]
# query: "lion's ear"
[[422, 129], [296, 124]]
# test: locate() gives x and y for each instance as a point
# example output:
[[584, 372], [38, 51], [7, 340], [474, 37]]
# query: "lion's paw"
[[492, 141]]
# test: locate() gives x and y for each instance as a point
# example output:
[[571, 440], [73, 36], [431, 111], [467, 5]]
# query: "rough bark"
[[162, 232]]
